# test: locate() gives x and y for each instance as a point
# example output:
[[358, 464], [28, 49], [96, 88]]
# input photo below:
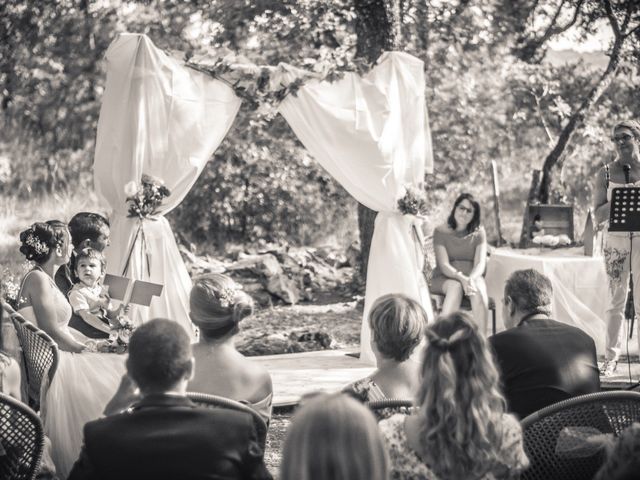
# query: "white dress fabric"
[[81, 388], [372, 135], [162, 119]]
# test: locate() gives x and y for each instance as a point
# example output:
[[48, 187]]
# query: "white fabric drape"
[[162, 119], [372, 135]]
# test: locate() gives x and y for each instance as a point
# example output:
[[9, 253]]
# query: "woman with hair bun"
[[217, 306], [84, 381], [460, 429], [48, 246]]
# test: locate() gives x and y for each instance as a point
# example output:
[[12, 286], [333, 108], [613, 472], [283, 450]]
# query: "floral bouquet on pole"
[[144, 201], [145, 198], [413, 202]]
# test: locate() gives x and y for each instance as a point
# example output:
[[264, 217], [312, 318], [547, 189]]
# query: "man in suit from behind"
[[542, 361], [164, 435]]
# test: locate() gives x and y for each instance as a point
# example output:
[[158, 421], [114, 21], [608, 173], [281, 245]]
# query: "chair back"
[[40, 355], [214, 401], [604, 412], [390, 406], [21, 438]]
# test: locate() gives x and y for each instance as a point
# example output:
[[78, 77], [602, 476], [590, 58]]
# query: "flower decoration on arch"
[[413, 202], [144, 199]]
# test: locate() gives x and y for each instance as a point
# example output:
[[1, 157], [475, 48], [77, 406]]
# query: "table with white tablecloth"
[[580, 292]]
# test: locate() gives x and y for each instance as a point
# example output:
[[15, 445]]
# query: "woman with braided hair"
[[460, 429]]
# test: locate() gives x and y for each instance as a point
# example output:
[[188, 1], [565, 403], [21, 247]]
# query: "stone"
[[266, 265], [284, 288]]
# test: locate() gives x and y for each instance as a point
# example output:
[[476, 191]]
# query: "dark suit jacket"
[[169, 437], [543, 362]]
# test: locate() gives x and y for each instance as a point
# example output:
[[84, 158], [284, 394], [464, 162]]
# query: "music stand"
[[624, 216]]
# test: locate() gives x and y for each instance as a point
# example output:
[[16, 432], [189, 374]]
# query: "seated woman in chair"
[[397, 324], [460, 248], [85, 380], [217, 305], [461, 429]]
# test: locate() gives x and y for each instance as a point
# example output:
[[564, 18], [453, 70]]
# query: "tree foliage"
[[492, 94]]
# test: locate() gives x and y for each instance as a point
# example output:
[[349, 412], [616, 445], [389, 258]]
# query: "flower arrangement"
[[261, 87], [9, 289], [227, 296], [414, 201], [119, 338], [125, 331], [145, 198], [38, 245]]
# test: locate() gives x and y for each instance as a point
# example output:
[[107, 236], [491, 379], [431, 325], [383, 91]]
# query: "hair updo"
[[42, 238], [218, 304]]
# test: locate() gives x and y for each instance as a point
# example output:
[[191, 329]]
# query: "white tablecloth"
[[580, 292]]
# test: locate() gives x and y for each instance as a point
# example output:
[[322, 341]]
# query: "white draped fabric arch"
[[372, 135], [162, 119]]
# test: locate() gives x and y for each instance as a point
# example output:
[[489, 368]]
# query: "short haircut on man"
[[530, 291], [159, 355], [88, 226]]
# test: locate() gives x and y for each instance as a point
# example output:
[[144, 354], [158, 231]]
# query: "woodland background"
[[495, 91]]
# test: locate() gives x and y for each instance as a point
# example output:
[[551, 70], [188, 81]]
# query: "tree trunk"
[[555, 160], [376, 31]]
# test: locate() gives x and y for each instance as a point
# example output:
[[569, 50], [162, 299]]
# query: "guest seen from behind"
[[397, 324], [461, 429], [542, 361], [460, 247], [617, 245], [217, 306], [333, 437], [89, 298], [164, 435]]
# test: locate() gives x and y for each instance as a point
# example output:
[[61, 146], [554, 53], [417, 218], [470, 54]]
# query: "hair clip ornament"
[[38, 245], [227, 296]]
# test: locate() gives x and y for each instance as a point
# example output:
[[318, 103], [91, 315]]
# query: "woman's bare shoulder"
[[260, 377], [34, 282]]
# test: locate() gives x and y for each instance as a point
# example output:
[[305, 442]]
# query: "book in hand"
[[129, 291]]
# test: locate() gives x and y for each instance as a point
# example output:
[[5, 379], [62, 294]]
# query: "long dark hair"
[[474, 224]]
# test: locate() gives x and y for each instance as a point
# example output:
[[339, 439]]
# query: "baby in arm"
[[90, 299]]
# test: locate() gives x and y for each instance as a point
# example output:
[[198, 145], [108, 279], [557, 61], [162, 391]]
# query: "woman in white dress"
[[84, 380]]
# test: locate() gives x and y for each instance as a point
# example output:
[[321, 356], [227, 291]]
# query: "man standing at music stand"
[[621, 248]]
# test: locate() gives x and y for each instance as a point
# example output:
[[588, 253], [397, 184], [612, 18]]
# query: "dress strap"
[[607, 176]]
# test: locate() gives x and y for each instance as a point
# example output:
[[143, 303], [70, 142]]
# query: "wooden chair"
[[22, 440], [40, 356], [604, 412], [390, 406], [214, 401]]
